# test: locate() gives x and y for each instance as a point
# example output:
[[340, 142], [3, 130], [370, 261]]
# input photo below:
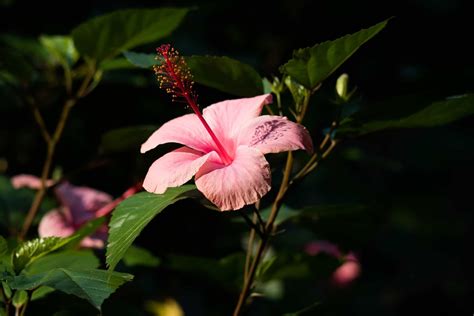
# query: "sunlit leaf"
[[69, 259], [108, 35], [310, 66], [32, 250], [61, 48], [133, 214], [93, 285]]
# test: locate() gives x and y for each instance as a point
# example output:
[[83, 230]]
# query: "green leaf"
[[133, 214], [127, 138], [61, 48], [310, 66], [116, 64], [438, 113], [69, 259], [3, 247], [140, 59], [93, 285], [32, 250], [221, 73], [86, 229], [108, 35], [136, 256], [226, 74]]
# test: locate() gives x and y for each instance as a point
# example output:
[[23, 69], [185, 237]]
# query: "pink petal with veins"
[[226, 118], [274, 134], [242, 182]]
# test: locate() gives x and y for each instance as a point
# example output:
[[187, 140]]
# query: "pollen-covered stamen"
[[175, 78]]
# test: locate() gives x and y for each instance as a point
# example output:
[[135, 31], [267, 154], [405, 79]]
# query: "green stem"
[[248, 282], [52, 141]]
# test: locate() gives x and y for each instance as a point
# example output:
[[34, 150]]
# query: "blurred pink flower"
[[28, 181], [344, 274], [78, 205], [224, 149]]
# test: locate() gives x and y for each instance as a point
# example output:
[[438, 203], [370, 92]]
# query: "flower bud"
[[341, 87]]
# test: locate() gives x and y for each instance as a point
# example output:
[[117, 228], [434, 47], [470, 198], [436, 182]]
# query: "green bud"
[[341, 86], [20, 298]]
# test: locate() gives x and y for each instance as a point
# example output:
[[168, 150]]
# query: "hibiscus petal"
[[81, 202], [28, 181], [243, 182], [174, 169], [227, 117], [186, 130], [273, 134], [54, 223]]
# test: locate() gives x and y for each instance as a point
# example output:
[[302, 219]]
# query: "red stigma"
[[174, 75]]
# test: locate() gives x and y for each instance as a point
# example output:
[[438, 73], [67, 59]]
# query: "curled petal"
[[81, 202], [54, 223], [174, 169], [28, 181], [226, 118], [273, 134], [242, 182], [186, 130]]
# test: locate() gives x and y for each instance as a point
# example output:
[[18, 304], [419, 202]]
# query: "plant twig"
[[52, 141], [251, 223]]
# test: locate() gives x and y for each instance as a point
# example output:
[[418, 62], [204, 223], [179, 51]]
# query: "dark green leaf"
[[222, 73], [133, 214], [226, 74], [3, 247], [92, 284], [140, 59], [108, 35], [32, 250], [136, 256], [226, 271], [438, 113], [116, 64], [127, 138], [310, 66]]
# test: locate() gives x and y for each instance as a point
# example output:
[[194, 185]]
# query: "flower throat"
[[175, 78]]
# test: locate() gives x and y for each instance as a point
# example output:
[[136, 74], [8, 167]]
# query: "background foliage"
[[399, 198]]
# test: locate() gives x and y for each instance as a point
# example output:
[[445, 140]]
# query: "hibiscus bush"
[[143, 171]]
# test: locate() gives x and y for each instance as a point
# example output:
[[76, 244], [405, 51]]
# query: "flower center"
[[175, 78]]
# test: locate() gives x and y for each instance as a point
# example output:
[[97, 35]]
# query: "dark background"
[[412, 243]]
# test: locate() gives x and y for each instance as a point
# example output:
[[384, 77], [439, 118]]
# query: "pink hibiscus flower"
[[78, 205], [224, 147], [344, 274], [236, 175]]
